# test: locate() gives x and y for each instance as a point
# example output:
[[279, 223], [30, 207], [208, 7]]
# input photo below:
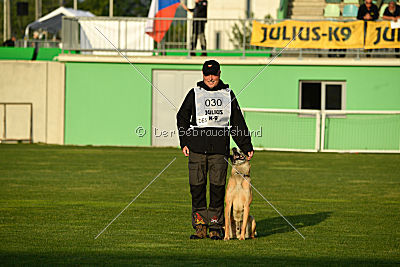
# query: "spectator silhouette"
[[392, 12], [10, 42], [199, 12]]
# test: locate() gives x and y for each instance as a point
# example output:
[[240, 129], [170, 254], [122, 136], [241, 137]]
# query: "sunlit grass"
[[54, 200]]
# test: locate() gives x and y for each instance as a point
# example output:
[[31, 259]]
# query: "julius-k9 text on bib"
[[213, 108]]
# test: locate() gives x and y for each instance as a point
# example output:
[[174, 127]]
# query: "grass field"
[[54, 200]]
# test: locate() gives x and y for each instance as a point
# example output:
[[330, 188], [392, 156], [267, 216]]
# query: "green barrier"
[[19, 53], [48, 53], [26, 53]]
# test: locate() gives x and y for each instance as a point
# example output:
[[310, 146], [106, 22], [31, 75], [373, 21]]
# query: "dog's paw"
[[226, 238]]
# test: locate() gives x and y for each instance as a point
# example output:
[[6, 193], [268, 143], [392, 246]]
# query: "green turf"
[[54, 200]]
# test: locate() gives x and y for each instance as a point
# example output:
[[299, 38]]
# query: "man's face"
[[211, 80], [392, 5], [368, 3]]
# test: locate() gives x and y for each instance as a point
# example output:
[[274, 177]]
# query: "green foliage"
[[243, 30], [132, 8], [55, 199]]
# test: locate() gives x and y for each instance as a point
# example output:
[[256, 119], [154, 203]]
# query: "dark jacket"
[[200, 9], [363, 10], [212, 140], [395, 14]]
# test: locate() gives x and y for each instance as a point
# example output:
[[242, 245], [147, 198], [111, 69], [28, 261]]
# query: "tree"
[[237, 31], [132, 8]]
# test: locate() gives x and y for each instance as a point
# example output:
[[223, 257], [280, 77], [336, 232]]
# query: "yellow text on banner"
[[317, 34], [381, 35]]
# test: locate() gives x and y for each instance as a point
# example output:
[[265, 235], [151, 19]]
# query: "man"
[[368, 11], [199, 12], [208, 116], [10, 42], [392, 12], [378, 3]]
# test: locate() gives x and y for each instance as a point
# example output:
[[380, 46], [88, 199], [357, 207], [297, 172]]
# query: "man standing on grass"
[[208, 116]]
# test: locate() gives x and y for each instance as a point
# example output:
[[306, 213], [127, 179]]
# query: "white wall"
[[39, 83]]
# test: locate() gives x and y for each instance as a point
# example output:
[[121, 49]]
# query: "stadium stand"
[[382, 10], [332, 11], [306, 9], [350, 11]]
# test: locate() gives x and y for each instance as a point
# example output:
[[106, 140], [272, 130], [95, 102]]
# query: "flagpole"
[[111, 14]]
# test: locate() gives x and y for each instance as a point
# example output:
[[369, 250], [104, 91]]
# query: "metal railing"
[[225, 37], [307, 130], [37, 43]]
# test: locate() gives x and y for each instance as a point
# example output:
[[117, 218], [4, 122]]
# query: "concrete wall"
[[39, 83], [106, 102]]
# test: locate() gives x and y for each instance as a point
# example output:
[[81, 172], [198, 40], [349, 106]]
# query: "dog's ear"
[[231, 158], [234, 150]]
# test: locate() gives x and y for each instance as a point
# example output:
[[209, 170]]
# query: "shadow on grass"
[[278, 225]]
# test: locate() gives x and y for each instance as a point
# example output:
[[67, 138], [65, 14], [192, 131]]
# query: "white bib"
[[213, 108]]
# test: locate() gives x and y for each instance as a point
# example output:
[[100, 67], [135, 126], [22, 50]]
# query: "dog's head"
[[240, 162]]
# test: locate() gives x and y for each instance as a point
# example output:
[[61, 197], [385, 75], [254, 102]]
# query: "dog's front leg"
[[253, 228], [246, 212], [246, 209], [228, 208]]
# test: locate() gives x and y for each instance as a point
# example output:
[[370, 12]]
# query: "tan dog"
[[238, 198]]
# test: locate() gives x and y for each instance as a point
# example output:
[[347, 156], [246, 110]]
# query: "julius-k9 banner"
[[318, 34], [380, 34]]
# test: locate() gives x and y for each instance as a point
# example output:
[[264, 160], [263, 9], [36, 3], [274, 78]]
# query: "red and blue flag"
[[160, 9]]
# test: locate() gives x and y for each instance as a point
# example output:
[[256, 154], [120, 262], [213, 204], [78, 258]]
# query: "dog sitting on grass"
[[238, 221]]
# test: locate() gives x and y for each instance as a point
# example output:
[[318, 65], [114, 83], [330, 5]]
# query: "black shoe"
[[192, 54], [215, 235], [201, 232]]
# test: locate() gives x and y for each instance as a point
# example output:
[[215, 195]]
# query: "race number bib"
[[213, 108]]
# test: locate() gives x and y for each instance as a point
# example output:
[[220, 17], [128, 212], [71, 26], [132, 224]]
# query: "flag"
[[160, 9]]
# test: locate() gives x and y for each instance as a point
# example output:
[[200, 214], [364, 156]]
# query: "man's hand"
[[185, 151], [184, 6], [367, 16], [250, 155]]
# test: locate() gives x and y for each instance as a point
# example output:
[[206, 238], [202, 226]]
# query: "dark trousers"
[[199, 166], [198, 33]]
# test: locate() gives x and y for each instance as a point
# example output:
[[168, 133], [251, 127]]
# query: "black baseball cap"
[[211, 67]]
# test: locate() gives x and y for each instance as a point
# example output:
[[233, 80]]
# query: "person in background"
[[378, 3], [392, 12], [10, 42], [368, 11], [199, 12], [35, 44]]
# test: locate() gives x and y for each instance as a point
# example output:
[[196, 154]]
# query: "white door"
[[174, 85]]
